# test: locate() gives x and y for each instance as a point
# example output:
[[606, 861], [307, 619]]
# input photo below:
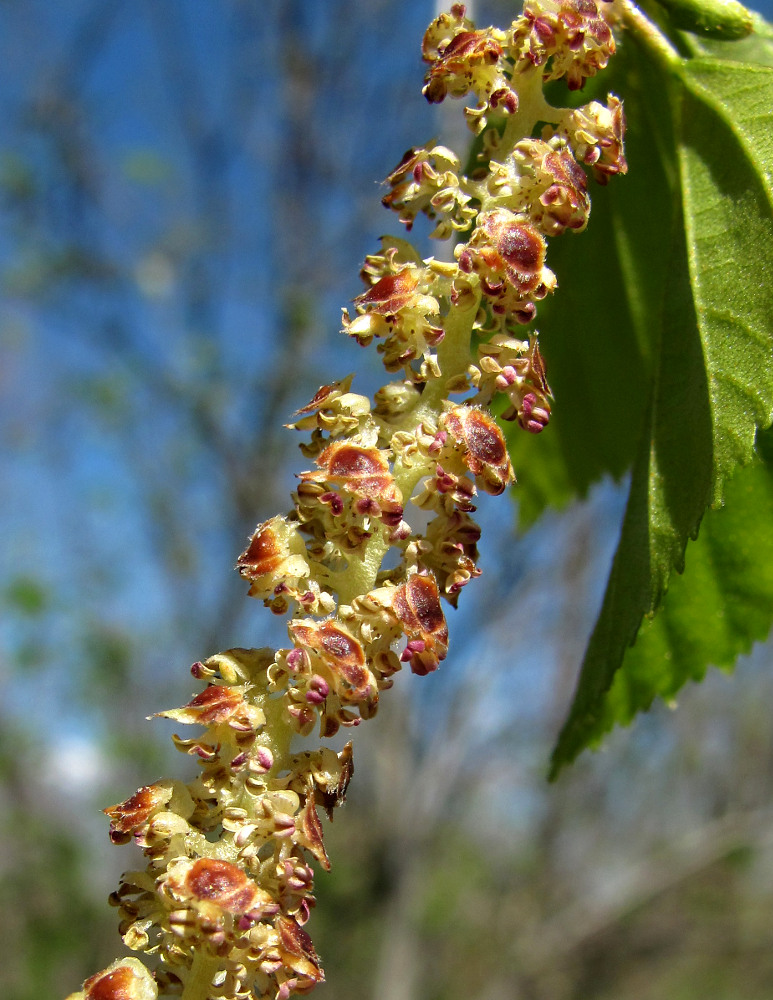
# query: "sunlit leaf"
[[721, 19], [757, 48], [714, 381], [716, 611]]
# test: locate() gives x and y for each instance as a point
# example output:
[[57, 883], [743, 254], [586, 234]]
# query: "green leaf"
[[714, 382], [726, 161], [26, 596], [722, 19], [757, 48], [716, 611], [545, 480]]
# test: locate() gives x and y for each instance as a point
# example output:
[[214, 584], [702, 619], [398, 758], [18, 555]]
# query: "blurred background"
[[187, 191]]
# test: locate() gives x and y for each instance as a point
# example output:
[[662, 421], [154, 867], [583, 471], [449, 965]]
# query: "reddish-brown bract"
[[216, 703], [485, 450], [310, 834], [264, 554], [363, 472], [127, 816], [517, 251], [298, 948], [391, 293], [416, 605], [319, 399], [222, 883], [453, 67], [341, 653], [120, 984]]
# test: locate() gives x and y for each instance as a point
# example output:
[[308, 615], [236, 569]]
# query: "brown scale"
[[485, 449], [364, 472]]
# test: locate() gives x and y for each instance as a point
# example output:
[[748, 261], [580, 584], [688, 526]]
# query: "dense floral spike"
[[227, 889], [565, 38], [427, 180], [517, 370], [596, 134], [464, 61]]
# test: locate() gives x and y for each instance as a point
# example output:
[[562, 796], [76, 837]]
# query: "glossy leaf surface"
[[710, 381]]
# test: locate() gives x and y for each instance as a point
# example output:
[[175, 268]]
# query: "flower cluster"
[[228, 885], [565, 38]]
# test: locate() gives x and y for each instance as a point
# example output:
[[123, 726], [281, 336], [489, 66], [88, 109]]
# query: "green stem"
[[360, 574], [203, 970], [276, 734], [635, 19], [532, 108], [453, 358]]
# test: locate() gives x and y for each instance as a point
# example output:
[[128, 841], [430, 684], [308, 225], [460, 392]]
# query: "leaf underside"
[[714, 612], [710, 389]]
